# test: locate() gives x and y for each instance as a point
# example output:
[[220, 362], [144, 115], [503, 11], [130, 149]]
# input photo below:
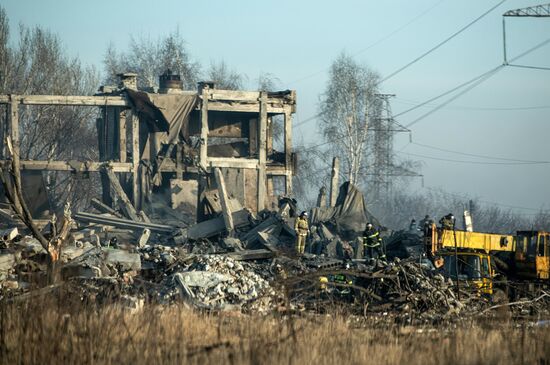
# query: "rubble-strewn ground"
[[121, 294], [56, 331]]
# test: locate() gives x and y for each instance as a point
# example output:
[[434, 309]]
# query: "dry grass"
[[59, 332]]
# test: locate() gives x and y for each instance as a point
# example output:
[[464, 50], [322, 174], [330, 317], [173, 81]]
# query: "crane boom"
[[474, 241], [531, 11]]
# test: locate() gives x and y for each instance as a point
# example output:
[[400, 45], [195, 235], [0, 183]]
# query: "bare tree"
[[268, 82], [345, 110], [10, 180], [224, 77], [38, 64], [149, 59]]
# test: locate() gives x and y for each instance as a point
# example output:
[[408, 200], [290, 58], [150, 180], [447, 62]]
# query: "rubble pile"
[[218, 282], [251, 268]]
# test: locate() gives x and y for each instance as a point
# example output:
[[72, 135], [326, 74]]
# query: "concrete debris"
[[9, 234], [7, 262], [221, 283], [103, 262], [249, 266], [217, 225]]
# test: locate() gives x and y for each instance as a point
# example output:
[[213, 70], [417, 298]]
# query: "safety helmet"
[[369, 224], [303, 214]]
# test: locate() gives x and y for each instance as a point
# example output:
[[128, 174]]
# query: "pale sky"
[[505, 117]]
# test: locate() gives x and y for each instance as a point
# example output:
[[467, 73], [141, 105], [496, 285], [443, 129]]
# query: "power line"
[[449, 91], [475, 108], [398, 29], [453, 98], [478, 80], [374, 43], [476, 162], [419, 58], [474, 82], [443, 42], [531, 67], [476, 155]]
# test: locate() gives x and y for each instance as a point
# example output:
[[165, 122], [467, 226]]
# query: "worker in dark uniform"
[[448, 222], [301, 227], [372, 243], [425, 224]]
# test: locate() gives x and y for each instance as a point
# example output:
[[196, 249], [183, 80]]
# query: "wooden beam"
[[122, 223], [204, 129], [241, 163], [269, 137], [122, 136], [224, 162], [136, 193], [13, 133], [127, 206], [73, 166], [224, 200], [235, 95], [13, 125], [288, 150], [179, 161], [253, 137], [262, 156], [334, 181], [3, 129], [242, 107], [66, 100], [103, 208], [277, 171]]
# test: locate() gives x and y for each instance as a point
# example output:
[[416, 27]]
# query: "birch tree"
[[346, 107]]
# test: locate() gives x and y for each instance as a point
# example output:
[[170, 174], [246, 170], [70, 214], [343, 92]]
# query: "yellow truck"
[[471, 257]]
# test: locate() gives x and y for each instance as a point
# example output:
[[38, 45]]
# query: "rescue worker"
[[425, 227], [371, 243], [425, 224], [448, 221], [301, 228], [413, 226]]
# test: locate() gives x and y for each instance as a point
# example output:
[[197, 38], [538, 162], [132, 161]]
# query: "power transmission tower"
[[384, 127]]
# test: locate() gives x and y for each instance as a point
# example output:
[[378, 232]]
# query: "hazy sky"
[[505, 117]]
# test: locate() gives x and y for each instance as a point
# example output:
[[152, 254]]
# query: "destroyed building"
[[159, 148]]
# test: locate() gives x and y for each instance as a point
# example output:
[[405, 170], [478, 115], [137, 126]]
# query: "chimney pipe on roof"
[[127, 80], [170, 83]]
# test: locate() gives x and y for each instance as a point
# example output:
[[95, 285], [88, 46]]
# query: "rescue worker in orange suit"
[[372, 243], [301, 227]]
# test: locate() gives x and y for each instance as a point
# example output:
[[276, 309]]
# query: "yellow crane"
[[470, 257]]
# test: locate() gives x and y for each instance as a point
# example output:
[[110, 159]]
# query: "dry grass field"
[[60, 332]]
